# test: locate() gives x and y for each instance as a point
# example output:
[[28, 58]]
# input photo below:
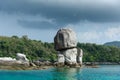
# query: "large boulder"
[[70, 55], [21, 57], [65, 39], [65, 43]]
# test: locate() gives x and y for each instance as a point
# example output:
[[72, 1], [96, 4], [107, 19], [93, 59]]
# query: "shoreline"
[[24, 68], [42, 67], [38, 65], [101, 63]]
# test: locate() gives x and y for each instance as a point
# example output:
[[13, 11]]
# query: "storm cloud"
[[95, 21], [62, 12]]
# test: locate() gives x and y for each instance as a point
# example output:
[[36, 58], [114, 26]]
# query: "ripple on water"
[[105, 72]]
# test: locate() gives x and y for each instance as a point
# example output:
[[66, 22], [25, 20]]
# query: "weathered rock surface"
[[61, 57], [7, 59], [66, 43], [20, 61], [70, 55], [79, 56], [44, 63], [65, 39], [21, 57]]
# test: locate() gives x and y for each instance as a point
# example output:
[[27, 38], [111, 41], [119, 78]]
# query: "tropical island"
[[42, 54]]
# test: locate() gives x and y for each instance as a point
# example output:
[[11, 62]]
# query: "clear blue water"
[[105, 72]]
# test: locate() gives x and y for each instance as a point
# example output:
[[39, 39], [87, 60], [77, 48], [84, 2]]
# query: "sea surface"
[[105, 72]]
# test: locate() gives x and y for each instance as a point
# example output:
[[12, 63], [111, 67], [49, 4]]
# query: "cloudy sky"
[[94, 21]]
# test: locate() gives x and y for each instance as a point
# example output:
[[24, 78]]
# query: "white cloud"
[[109, 34], [113, 33], [93, 32], [90, 35]]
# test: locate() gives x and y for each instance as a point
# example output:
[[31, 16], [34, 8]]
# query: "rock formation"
[[66, 43], [20, 60], [7, 59], [65, 39], [61, 57], [21, 57]]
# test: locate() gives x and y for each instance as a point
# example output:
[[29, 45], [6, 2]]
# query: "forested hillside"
[[37, 50], [100, 53], [114, 43], [34, 50]]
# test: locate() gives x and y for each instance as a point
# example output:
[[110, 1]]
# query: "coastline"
[[24, 68], [36, 67], [101, 63]]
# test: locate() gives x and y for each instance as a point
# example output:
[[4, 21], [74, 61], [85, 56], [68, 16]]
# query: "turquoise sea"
[[105, 72]]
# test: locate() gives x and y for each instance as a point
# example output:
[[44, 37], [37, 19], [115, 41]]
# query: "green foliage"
[[37, 50], [100, 53], [34, 50]]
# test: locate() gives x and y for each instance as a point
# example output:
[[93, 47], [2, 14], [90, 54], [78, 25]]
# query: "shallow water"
[[105, 72]]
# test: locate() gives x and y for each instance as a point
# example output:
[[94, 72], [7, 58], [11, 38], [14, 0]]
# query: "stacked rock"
[[66, 43]]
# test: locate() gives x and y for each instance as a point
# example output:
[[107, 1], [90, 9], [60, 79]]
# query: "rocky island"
[[66, 46], [65, 43], [65, 51]]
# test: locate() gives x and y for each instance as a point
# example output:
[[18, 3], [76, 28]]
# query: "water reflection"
[[66, 74]]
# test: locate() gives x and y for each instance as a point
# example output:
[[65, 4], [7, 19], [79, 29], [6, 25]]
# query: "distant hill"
[[114, 43]]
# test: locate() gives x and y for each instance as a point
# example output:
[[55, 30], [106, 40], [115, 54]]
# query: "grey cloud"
[[62, 14], [37, 24]]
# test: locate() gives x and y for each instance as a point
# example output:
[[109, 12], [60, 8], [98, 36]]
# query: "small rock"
[[21, 57], [32, 64]]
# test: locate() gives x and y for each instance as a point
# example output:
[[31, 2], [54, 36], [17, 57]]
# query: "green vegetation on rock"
[[100, 53], [37, 50], [33, 49]]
